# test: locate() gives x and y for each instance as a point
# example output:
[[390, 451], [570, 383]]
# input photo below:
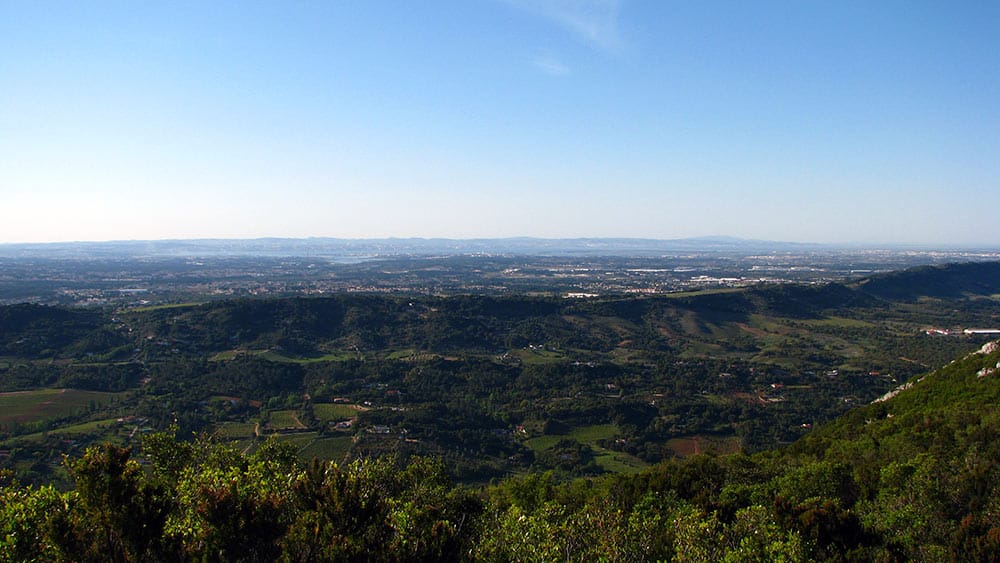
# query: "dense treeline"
[[29, 331], [911, 478]]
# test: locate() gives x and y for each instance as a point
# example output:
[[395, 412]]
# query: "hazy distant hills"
[[360, 249]]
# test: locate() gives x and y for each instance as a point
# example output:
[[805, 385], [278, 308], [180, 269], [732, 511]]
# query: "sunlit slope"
[[950, 413]]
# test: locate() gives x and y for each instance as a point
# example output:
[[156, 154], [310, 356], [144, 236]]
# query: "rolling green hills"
[[495, 386]]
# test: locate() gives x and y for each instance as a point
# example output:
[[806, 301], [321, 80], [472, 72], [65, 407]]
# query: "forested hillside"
[[493, 386]]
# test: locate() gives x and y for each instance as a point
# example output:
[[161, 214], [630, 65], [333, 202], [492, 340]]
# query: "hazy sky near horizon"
[[819, 121]]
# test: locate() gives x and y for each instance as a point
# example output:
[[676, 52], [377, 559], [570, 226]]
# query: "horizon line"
[[703, 238]]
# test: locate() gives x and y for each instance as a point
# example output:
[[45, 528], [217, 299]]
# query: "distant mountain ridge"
[[373, 248]]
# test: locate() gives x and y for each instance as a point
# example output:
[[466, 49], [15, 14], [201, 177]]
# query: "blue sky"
[[840, 121]]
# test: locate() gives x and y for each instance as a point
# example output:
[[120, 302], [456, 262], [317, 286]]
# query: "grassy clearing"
[[107, 428], [25, 406], [617, 462], [284, 420], [404, 354], [331, 412], [332, 357], [610, 461], [300, 440], [276, 357], [540, 443], [588, 435], [88, 427], [335, 449], [538, 357], [591, 434]]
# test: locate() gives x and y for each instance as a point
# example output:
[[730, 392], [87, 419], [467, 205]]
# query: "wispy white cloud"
[[595, 21], [550, 65]]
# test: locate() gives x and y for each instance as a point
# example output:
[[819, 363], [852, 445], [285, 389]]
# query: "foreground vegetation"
[[914, 477]]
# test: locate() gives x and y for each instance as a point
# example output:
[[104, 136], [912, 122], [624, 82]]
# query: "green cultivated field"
[[539, 357], [334, 449], [332, 412], [108, 425], [275, 357], [585, 435], [283, 420], [25, 406], [611, 461], [300, 441], [618, 462], [105, 429], [334, 357], [540, 443], [591, 434]]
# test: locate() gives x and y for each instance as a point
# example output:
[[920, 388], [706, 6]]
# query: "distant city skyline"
[[835, 123]]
